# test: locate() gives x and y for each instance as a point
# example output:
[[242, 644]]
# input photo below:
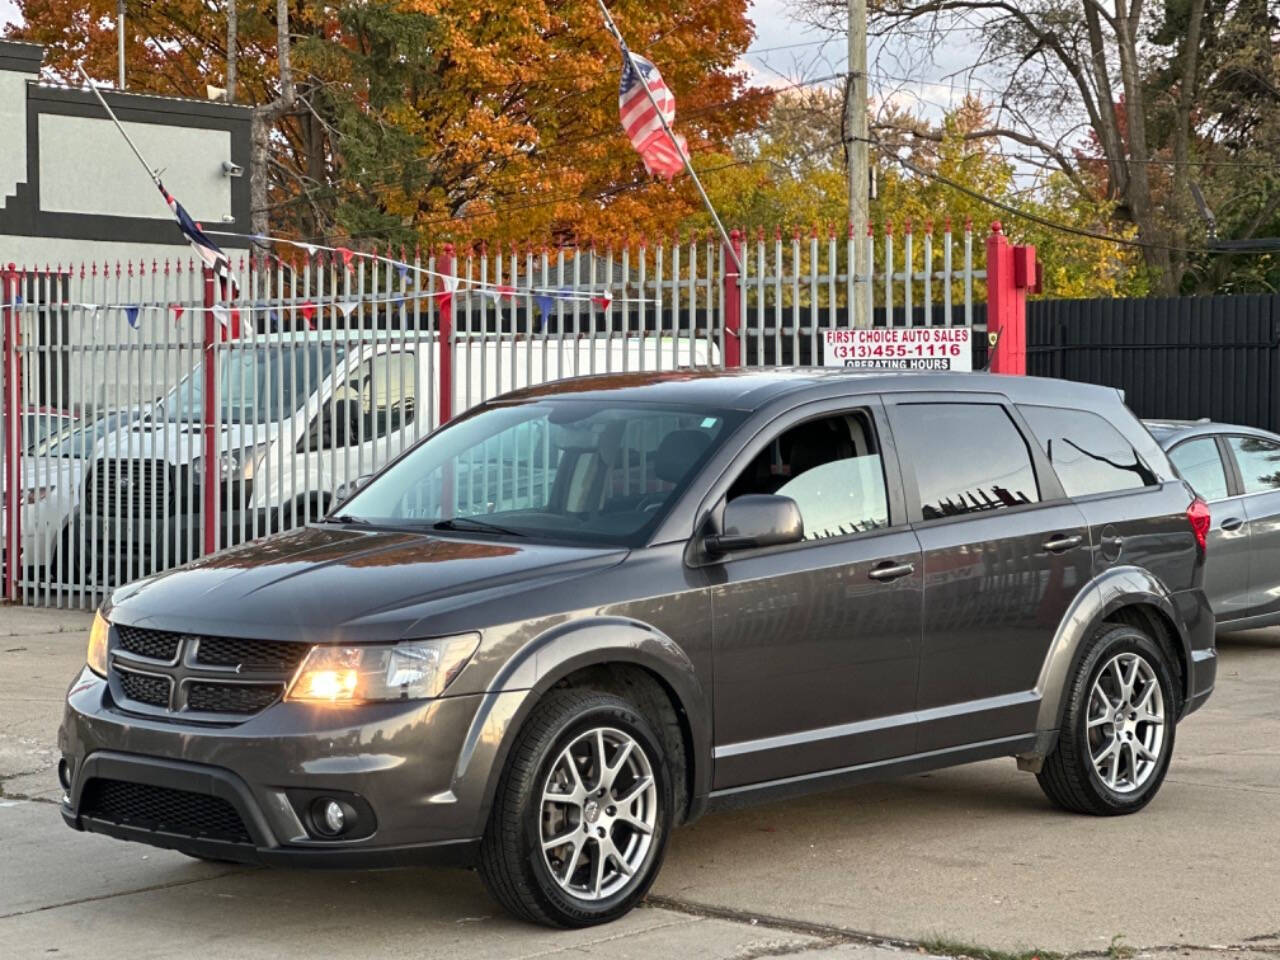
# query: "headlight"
[[97, 656], [235, 464], [36, 494], [413, 670]]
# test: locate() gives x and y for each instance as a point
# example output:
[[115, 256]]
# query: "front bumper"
[[423, 768]]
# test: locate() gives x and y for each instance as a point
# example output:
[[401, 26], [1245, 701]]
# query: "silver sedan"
[[1237, 470]]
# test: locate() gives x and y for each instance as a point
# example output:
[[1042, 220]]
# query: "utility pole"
[[855, 126], [120, 41]]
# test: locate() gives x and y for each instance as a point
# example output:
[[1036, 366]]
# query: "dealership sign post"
[[900, 348]]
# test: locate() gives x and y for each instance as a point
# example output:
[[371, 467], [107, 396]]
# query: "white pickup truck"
[[302, 416]]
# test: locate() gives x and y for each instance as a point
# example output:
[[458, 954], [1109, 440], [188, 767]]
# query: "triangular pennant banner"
[[346, 306], [310, 248], [603, 300], [544, 303], [346, 255], [308, 311], [131, 314], [403, 269], [178, 310], [229, 321]]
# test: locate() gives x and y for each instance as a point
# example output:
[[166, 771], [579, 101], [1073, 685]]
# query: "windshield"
[[79, 441], [555, 469], [257, 383]]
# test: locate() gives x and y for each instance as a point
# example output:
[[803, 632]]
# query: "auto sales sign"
[[900, 348]]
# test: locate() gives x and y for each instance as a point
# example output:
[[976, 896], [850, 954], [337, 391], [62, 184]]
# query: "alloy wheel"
[[1126, 723], [599, 813]]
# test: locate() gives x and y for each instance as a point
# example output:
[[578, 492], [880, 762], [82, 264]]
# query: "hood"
[[332, 583], [178, 443]]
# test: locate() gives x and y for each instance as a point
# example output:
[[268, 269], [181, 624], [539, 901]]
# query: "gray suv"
[[583, 613]]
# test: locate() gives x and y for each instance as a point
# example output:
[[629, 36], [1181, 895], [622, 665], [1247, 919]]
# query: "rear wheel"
[[1117, 733], [580, 822]]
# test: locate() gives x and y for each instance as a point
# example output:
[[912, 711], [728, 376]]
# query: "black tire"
[[1070, 777], [512, 864]]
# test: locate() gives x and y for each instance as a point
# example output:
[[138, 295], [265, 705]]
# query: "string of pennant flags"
[[231, 314], [451, 282]]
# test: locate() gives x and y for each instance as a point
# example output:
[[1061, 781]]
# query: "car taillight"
[[1198, 517]]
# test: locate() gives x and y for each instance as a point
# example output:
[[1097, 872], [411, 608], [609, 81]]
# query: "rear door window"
[[967, 458], [1088, 454], [1259, 461], [1200, 464]]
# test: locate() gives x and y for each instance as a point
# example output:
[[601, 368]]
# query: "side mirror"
[[757, 520]]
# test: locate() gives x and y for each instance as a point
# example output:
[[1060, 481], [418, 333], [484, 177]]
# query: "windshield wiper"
[[463, 523], [347, 518]]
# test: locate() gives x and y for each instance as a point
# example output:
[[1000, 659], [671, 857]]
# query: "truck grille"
[[182, 812], [216, 679], [118, 486]]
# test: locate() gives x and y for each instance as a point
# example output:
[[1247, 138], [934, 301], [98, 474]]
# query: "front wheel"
[[1117, 733], [580, 822]]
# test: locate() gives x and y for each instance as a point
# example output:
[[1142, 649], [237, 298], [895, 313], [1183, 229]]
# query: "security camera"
[[230, 169]]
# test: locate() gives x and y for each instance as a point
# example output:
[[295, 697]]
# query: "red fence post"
[[11, 332], [210, 479], [444, 333], [733, 303], [1011, 273]]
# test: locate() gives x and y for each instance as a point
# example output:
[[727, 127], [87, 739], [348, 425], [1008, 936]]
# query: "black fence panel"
[[1175, 357]]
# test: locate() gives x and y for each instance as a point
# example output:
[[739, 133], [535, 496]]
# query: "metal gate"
[[152, 417]]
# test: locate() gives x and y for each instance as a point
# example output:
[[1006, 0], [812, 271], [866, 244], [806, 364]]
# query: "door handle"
[[892, 571], [1062, 544], [1232, 523]]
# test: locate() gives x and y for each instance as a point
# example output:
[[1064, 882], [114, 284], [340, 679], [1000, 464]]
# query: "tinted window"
[[966, 457], [1200, 465], [1259, 461], [556, 469], [1088, 454], [831, 468]]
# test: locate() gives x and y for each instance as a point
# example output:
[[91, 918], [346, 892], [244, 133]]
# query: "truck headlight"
[[97, 655], [36, 494], [413, 670]]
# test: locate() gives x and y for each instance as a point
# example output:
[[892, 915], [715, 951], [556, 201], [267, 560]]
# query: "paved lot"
[[953, 863]]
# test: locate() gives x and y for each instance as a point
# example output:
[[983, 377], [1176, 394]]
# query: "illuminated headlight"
[[413, 670], [97, 655]]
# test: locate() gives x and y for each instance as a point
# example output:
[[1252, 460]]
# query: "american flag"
[[209, 252], [662, 154]]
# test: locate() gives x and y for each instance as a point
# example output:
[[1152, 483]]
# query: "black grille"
[[116, 486], [148, 643], [162, 808], [250, 654], [231, 698], [144, 688]]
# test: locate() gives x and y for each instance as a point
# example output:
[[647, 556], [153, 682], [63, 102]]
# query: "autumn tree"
[[789, 173]]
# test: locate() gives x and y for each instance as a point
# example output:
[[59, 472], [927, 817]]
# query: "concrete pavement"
[[955, 862]]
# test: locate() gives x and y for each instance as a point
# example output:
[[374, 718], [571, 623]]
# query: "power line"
[[1027, 215]]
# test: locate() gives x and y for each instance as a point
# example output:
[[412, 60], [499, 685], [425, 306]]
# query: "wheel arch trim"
[[559, 653], [1118, 587]]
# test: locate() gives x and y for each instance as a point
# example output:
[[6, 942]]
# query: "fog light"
[[64, 774], [332, 818]]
